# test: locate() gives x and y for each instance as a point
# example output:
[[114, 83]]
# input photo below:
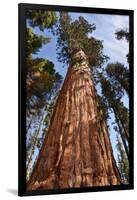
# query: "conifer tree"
[[76, 151]]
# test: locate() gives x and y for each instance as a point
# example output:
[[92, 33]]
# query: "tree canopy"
[[41, 19], [76, 35], [41, 74], [119, 75], [34, 42], [121, 34]]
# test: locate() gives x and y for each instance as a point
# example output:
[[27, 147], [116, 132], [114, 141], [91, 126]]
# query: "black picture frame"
[[22, 96]]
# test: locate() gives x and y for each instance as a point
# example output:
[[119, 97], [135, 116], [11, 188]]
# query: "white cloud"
[[119, 22], [107, 25]]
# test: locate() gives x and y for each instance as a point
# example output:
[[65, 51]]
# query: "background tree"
[[123, 162], [43, 82], [119, 76], [114, 80], [120, 34], [112, 99]]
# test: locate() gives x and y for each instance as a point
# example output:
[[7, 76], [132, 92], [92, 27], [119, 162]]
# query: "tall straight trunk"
[[34, 144], [125, 127], [123, 162], [121, 131], [76, 151]]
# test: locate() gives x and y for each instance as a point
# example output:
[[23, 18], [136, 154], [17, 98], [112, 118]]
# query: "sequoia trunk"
[[76, 151]]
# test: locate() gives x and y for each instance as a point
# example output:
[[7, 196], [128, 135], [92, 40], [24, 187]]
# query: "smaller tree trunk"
[[121, 133]]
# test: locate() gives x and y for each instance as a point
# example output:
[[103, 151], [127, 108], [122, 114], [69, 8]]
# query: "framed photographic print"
[[75, 99]]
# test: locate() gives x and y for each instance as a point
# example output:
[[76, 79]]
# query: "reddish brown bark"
[[76, 151]]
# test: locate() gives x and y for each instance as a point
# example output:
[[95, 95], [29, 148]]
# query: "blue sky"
[[106, 26]]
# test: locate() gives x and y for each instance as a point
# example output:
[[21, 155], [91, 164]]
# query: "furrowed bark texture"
[[76, 151]]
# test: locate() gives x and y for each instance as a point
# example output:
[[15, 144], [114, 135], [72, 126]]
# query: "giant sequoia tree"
[[76, 151]]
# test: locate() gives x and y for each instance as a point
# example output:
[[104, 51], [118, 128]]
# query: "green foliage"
[[120, 34], [112, 99], [44, 65], [41, 18], [112, 95], [41, 74], [76, 35], [119, 75], [110, 92], [34, 42], [41, 77]]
